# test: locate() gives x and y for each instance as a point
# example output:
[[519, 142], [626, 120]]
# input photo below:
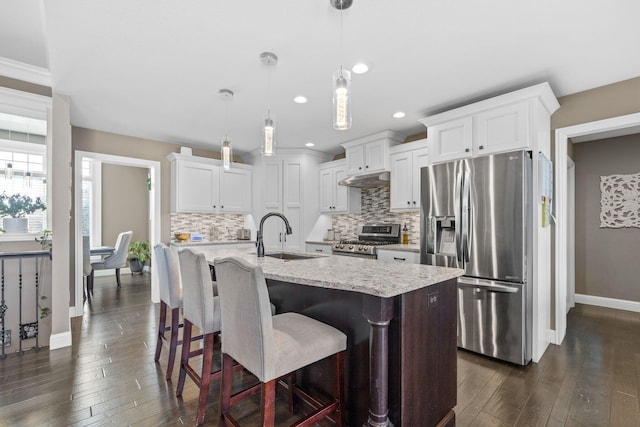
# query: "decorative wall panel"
[[620, 201]]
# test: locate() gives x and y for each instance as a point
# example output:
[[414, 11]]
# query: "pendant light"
[[269, 130], [27, 179], [226, 151], [9, 171], [341, 81]]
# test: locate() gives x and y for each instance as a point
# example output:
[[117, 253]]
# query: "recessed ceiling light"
[[360, 68], [398, 114], [300, 99], [309, 144]]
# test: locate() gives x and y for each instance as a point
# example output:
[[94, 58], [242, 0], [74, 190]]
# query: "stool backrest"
[[168, 268], [199, 305], [246, 315], [118, 258]]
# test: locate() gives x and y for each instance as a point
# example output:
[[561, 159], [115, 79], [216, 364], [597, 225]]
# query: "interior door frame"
[[615, 126], [154, 215]]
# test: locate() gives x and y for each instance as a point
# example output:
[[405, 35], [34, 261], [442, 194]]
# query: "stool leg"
[[118, 276], [268, 403], [205, 376], [173, 344], [161, 328], [225, 386], [184, 360], [291, 380], [339, 417]]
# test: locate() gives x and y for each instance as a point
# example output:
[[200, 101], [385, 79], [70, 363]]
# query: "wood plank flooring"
[[108, 376]]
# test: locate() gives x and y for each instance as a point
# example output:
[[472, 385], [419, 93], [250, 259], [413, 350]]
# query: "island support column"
[[378, 312]]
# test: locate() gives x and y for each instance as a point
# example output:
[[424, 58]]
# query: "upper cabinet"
[[200, 184], [504, 123], [336, 198], [370, 154], [406, 162]]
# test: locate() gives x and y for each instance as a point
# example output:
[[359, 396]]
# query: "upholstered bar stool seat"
[[201, 309], [271, 347]]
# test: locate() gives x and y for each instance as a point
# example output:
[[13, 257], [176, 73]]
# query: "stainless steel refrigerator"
[[477, 215]]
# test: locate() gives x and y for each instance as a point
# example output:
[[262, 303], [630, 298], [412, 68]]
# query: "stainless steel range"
[[369, 238]]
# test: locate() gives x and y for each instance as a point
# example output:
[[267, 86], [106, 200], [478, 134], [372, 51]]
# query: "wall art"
[[620, 201]]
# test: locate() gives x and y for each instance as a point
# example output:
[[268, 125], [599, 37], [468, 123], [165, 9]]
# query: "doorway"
[[616, 126], [153, 168]]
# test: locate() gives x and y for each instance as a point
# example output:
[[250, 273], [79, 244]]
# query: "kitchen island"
[[400, 322]]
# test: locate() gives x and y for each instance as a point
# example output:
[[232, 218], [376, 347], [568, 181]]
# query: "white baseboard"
[[618, 304], [60, 340]]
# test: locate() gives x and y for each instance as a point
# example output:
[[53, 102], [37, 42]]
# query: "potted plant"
[[14, 208], [138, 255]]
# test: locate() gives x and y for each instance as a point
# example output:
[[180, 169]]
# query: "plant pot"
[[136, 266], [15, 225]]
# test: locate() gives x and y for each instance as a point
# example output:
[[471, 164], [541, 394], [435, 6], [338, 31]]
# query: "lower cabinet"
[[398, 256]]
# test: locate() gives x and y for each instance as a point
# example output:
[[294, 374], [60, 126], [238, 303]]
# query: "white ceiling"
[[153, 68]]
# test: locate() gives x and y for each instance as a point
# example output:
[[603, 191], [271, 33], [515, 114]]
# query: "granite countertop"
[[209, 242], [354, 274], [411, 247]]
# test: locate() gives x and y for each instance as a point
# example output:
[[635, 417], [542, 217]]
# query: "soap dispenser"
[[405, 234]]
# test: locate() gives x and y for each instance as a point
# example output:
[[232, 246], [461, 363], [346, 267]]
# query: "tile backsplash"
[[213, 227], [375, 209]]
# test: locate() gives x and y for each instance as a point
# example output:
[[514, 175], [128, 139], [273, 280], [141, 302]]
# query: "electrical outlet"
[[432, 298], [5, 340]]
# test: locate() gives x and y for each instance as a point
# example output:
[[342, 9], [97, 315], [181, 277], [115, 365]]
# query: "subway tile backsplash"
[[213, 227], [375, 209]]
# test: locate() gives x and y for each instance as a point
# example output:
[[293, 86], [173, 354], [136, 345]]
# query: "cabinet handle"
[[367, 167], [399, 259], [222, 207], [408, 202], [414, 202], [280, 238], [481, 147], [360, 167], [319, 250], [466, 150], [214, 206]]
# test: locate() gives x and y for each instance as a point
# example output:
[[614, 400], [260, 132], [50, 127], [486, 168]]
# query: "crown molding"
[[25, 72], [24, 104]]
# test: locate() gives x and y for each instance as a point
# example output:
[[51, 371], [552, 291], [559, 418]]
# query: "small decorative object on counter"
[[405, 235]]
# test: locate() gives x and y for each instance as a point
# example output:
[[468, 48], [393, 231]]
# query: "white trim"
[[562, 136], [618, 304], [154, 214], [25, 72], [111, 272], [60, 340], [24, 104]]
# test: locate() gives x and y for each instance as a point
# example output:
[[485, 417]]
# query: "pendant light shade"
[[226, 150], [27, 179], [342, 99], [269, 130], [269, 137], [9, 171], [226, 154]]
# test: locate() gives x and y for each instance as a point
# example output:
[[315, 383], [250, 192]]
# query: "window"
[[23, 171]]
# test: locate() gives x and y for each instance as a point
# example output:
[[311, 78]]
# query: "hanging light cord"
[[341, 40], [226, 117], [269, 90]]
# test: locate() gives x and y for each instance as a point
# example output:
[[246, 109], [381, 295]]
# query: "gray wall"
[[125, 202], [607, 260]]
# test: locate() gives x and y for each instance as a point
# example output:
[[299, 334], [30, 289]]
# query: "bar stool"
[[201, 309], [271, 347]]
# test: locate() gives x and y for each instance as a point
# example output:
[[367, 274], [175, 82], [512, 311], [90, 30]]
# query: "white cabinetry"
[[406, 162], [200, 184], [336, 198], [287, 183], [500, 124], [370, 154], [398, 256]]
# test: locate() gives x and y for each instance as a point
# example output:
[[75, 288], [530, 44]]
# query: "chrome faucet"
[[259, 242]]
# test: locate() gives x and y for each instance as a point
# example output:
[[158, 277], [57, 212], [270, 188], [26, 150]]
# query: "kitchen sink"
[[289, 256]]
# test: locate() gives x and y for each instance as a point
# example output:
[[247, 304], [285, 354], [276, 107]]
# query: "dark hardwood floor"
[[108, 376]]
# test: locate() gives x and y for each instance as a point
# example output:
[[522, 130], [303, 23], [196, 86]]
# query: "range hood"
[[367, 180]]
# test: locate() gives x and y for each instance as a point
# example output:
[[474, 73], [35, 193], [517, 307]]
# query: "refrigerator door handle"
[[469, 215], [457, 207], [466, 218], [491, 288]]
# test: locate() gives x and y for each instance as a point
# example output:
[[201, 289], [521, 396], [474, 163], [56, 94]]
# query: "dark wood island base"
[[401, 354]]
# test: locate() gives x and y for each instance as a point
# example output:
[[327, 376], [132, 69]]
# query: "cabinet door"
[[272, 202], [502, 129], [374, 156], [420, 160], [293, 184], [401, 181], [327, 186], [319, 248], [235, 191], [197, 187], [341, 194], [355, 160], [398, 256], [451, 140]]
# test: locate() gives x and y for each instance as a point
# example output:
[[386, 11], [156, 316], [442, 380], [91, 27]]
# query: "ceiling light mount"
[[226, 93], [341, 4], [269, 58]]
